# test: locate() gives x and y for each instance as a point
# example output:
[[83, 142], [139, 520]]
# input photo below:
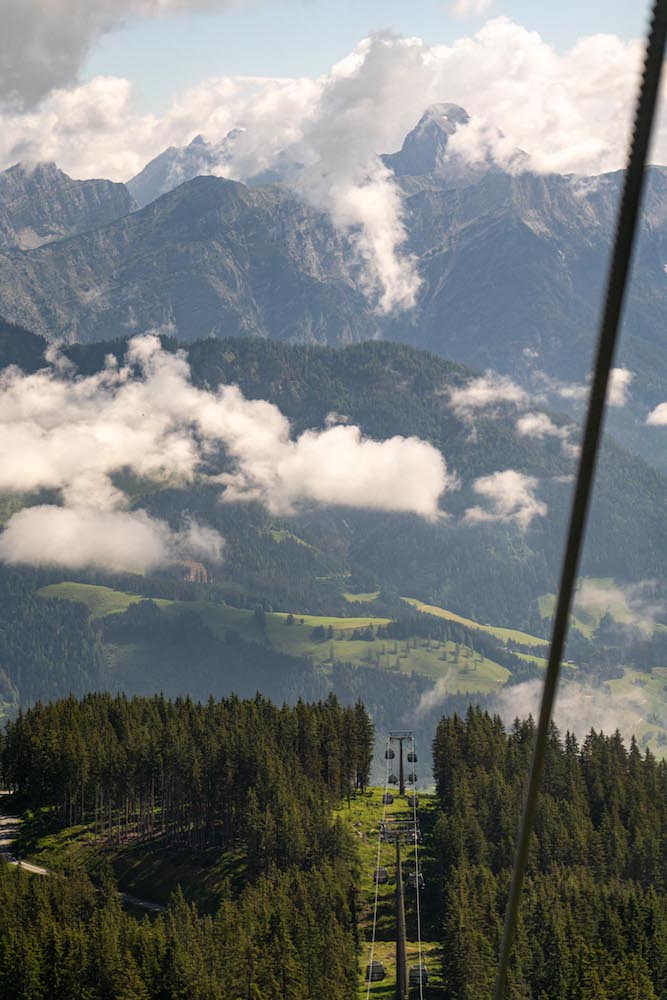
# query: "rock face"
[[210, 258], [171, 168], [40, 204], [178, 164]]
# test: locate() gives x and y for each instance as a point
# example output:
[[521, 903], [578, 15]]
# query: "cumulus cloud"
[[71, 433], [82, 536], [486, 391], [658, 416], [509, 496], [42, 45], [540, 426]]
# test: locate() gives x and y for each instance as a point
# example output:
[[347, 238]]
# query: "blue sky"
[[304, 37]]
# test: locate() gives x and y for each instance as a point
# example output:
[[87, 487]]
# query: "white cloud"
[[510, 497], [466, 8], [540, 426], [81, 536], [619, 387], [43, 44], [71, 433], [337, 466], [488, 390], [658, 416]]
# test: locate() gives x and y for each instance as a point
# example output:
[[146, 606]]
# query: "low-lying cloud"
[[636, 605], [75, 537], [580, 707], [486, 392], [72, 434], [509, 497]]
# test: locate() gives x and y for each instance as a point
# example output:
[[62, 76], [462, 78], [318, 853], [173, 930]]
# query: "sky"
[[305, 37]]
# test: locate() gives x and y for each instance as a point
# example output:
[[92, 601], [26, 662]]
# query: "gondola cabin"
[[419, 975], [375, 971]]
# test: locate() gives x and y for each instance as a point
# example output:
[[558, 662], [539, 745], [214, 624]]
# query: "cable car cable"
[[375, 875], [608, 336], [417, 872]]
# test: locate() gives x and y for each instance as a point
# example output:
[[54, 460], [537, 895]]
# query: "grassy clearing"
[[361, 598], [503, 634], [100, 600], [149, 871], [364, 816]]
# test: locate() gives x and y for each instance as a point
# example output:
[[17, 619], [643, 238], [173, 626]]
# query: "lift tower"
[[399, 737]]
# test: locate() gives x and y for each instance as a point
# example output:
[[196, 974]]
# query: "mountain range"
[[512, 263]]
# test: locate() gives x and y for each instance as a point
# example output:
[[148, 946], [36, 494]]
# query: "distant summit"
[[174, 166], [39, 204], [424, 149]]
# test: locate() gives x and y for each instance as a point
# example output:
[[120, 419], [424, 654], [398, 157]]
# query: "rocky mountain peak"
[[424, 148]]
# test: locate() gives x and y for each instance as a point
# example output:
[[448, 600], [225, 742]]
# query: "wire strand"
[[375, 874], [417, 873], [608, 336]]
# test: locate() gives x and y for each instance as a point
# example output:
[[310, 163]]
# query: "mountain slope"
[[211, 258], [40, 204]]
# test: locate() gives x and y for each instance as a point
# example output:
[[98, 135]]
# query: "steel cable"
[[417, 872], [608, 336], [377, 867]]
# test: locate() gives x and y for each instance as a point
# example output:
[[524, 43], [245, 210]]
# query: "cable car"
[[412, 777], [419, 975], [387, 798], [375, 971], [381, 876], [412, 757], [415, 880], [393, 779], [413, 801], [389, 754]]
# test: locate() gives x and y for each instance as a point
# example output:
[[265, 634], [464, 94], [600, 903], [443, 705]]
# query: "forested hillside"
[[593, 922], [239, 780], [393, 390]]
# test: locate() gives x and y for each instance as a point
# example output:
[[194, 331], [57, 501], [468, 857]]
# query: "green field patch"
[[100, 600], [282, 535], [504, 634], [361, 598]]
